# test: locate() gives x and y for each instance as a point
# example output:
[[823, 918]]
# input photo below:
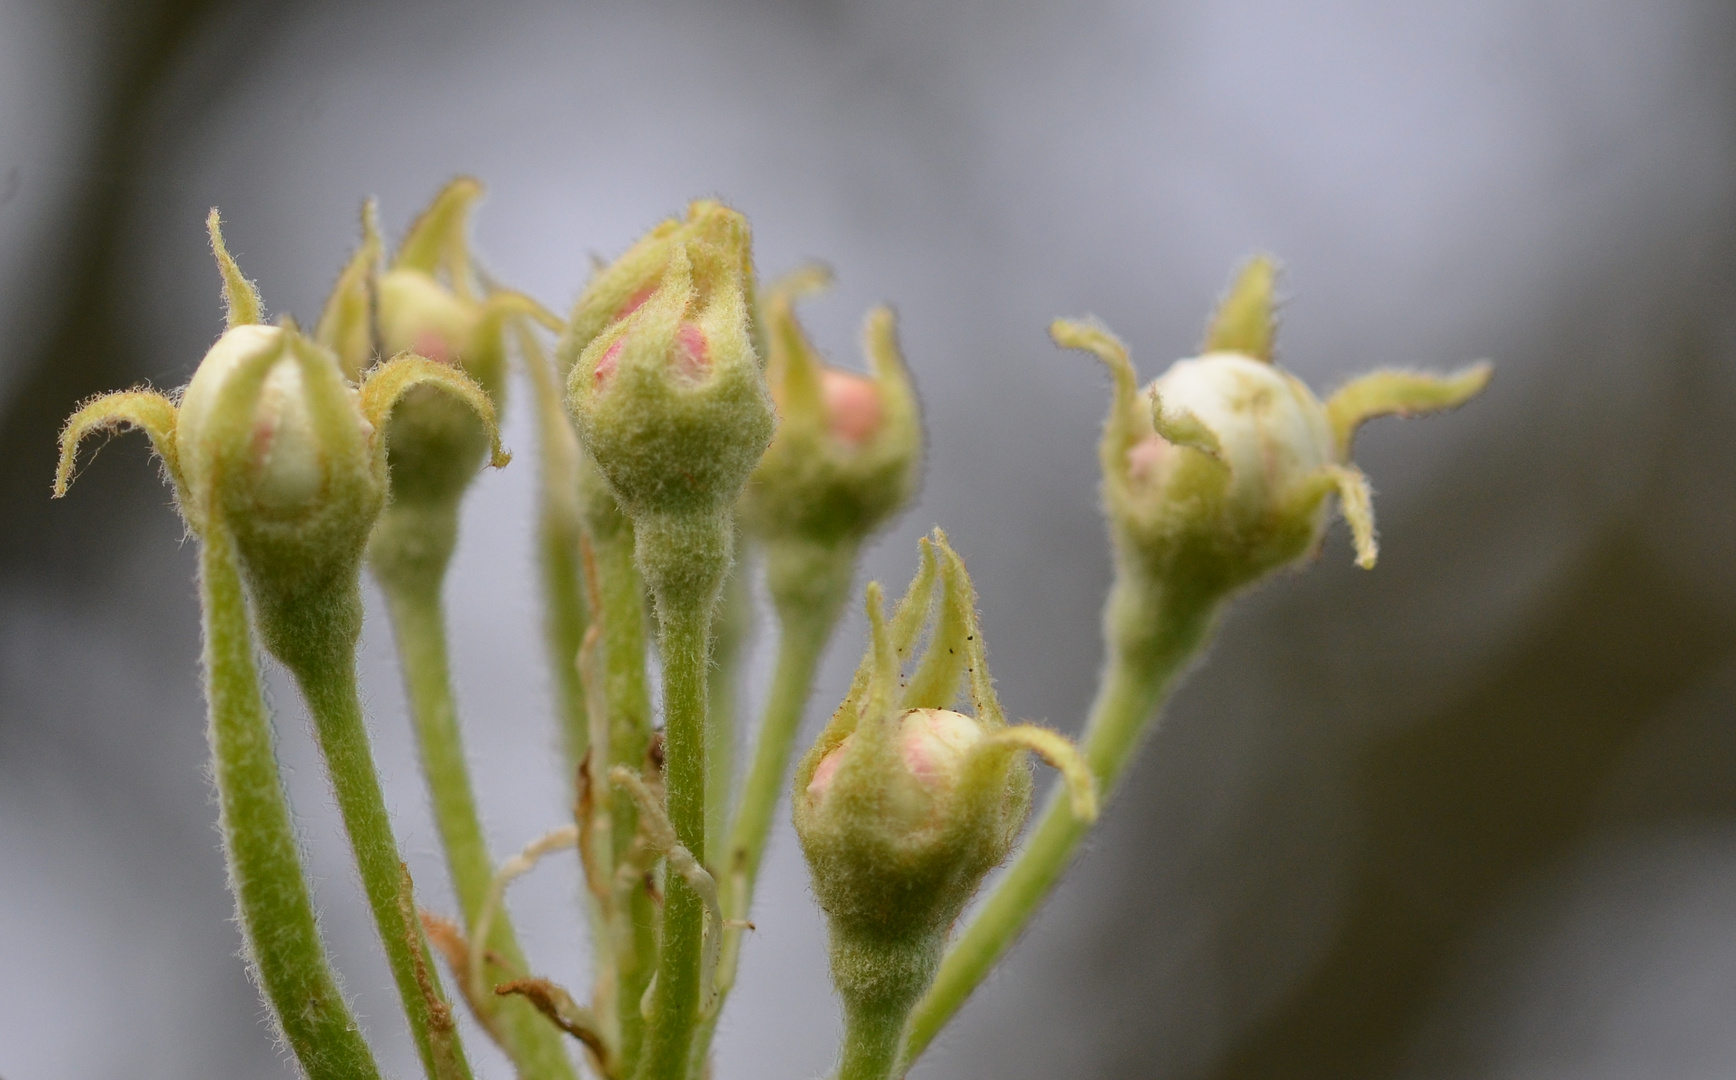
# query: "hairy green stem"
[[684, 632], [410, 551], [272, 900], [564, 622], [729, 633], [314, 632], [879, 980], [1152, 636], [559, 527], [621, 622], [809, 585]]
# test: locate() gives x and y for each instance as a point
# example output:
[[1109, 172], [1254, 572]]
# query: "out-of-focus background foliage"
[[1470, 815]]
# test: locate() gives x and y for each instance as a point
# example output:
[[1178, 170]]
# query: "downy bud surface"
[[429, 303], [1220, 471], [271, 442], [848, 451], [670, 399], [903, 805]]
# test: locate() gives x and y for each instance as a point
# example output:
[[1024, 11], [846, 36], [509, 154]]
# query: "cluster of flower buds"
[[272, 442], [1221, 471], [668, 393], [428, 302], [849, 447], [903, 805]]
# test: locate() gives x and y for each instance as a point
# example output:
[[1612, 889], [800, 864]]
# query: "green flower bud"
[[1222, 473], [272, 436], [672, 405], [271, 442], [428, 303], [904, 805], [848, 450]]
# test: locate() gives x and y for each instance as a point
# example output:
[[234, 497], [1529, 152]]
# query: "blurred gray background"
[[1470, 815]]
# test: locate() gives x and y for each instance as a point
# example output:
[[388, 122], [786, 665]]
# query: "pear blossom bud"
[[848, 451], [903, 804], [1220, 472], [670, 400], [271, 436], [931, 745], [430, 304]]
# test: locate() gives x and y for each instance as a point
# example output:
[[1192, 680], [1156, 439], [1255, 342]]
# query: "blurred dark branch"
[[89, 350]]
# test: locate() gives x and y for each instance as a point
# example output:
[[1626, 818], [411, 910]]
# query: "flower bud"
[[931, 746], [670, 399], [848, 449], [903, 805], [272, 438], [429, 303], [270, 442], [1220, 472]]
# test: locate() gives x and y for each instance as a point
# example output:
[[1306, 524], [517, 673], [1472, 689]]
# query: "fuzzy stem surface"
[[685, 629], [272, 899], [316, 640], [411, 549], [621, 614]]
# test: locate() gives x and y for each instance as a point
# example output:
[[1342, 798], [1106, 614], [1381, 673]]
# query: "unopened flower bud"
[[931, 745], [272, 443], [848, 450], [904, 805], [1219, 472], [429, 303], [670, 400], [273, 439]]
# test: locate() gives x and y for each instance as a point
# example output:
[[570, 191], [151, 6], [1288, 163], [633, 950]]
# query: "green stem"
[[259, 845], [809, 585], [879, 980], [411, 575], [315, 636], [729, 633], [564, 623], [559, 526], [621, 604], [870, 1046], [1152, 636], [685, 627]]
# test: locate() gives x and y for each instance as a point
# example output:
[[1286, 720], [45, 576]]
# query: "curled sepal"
[[147, 410], [805, 280], [935, 684], [902, 633], [1400, 393], [241, 302], [1245, 321], [982, 686], [1062, 756], [389, 382], [1356, 503], [1122, 429], [346, 324]]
